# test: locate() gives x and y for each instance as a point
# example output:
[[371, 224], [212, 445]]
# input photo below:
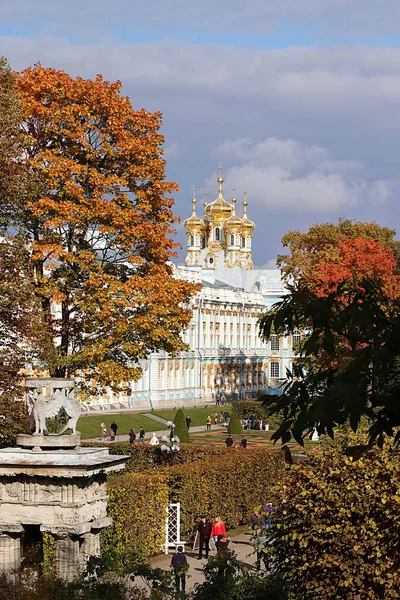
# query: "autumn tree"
[[321, 243], [24, 338], [97, 222], [349, 364]]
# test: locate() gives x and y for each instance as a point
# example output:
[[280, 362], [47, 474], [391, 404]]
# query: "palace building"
[[225, 355]]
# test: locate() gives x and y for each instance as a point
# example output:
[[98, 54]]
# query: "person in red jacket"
[[218, 528]]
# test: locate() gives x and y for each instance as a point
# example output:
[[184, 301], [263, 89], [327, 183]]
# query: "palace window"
[[192, 240], [296, 338], [203, 243], [274, 370], [232, 240], [274, 343], [218, 234], [243, 242]]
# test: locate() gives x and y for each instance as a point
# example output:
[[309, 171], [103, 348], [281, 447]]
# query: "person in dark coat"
[[188, 421], [229, 442], [222, 543], [179, 563], [256, 521], [114, 427], [243, 443], [132, 436], [141, 436], [204, 529]]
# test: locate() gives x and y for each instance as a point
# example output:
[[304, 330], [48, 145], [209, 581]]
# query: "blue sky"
[[299, 100]]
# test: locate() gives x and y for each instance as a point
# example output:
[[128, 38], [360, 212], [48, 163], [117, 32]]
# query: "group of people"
[[212, 535], [254, 422], [221, 419], [113, 431], [229, 442]]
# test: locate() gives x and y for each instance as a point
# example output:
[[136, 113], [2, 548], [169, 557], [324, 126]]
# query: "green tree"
[[336, 531], [235, 426], [349, 365], [181, 429]]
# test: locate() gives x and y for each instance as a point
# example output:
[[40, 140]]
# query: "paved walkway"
[[240, 544], [159, 434]]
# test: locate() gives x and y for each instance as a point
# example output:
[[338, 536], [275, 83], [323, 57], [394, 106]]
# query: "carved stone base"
[[39, 441]]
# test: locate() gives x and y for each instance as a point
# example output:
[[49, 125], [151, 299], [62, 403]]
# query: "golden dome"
[[194, 223], [247, 225], [219, 209], [233, 222]]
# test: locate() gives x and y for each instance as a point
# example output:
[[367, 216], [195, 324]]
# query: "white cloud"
[[255, 16], [171, 151], [287, 174]]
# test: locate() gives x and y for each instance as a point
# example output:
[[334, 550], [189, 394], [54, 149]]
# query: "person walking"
[[221, 419], [256, 521], [229, 441], [217, 399], [180, 565], [218, 528], [114, 427], [132, 436], [103, 431], [141, 436], [112, 434], [188, 421], [204, 529], [208, 423]]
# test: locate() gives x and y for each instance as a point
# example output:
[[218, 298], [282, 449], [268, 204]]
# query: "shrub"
[[235, 426], [338, 525], [229, 486], [245, 408], [137, 504], [180, 427]]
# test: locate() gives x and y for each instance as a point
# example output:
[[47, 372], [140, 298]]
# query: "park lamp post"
[[170, 444]]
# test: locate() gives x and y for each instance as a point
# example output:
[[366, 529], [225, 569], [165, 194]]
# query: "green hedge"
[[146, 457], [137, 504], [229, 486]]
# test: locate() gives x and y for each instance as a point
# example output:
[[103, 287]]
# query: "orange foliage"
[[102, 218], [359, 259]]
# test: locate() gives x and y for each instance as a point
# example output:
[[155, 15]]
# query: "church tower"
[[196, 231], [222, 239]]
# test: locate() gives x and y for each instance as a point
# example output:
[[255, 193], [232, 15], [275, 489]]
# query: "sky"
[[298, 99]]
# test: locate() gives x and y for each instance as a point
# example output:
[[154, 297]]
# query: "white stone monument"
[[48, 483]]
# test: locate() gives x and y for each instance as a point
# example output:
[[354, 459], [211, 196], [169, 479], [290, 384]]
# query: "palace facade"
[[225, 355]]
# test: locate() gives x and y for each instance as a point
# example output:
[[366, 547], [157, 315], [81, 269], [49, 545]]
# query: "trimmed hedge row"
[[137, 503], [230, 484], [146, 457]]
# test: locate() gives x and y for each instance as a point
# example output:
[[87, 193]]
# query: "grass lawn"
[[89, 425], [198, 415]]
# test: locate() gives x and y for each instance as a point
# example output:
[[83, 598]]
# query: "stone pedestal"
[[59, 491]]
